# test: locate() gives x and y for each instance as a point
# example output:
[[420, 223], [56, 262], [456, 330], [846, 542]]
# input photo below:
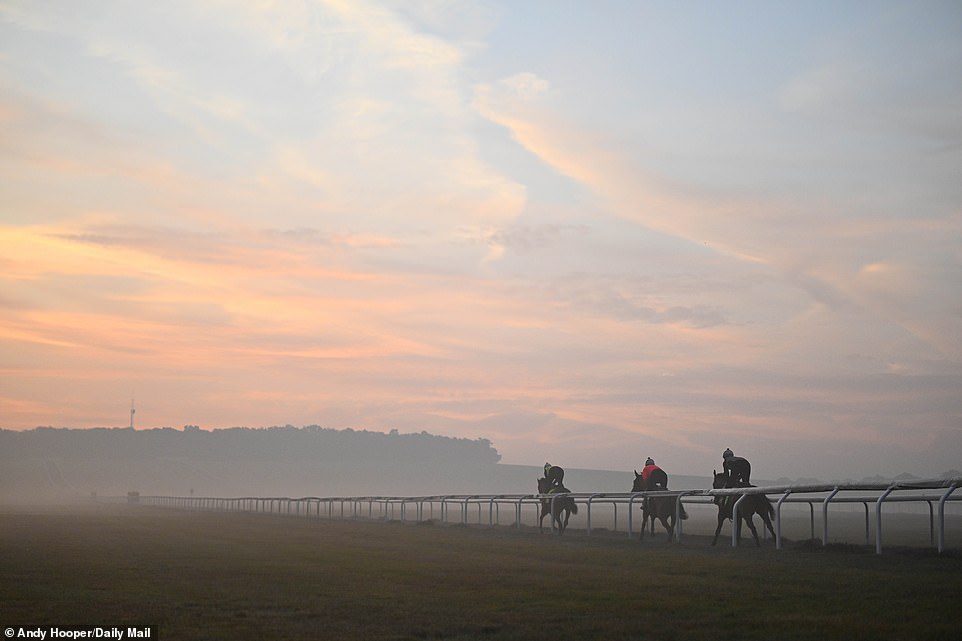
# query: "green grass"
[[248, 576]]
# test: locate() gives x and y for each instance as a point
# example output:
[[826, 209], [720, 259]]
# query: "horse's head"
[[543, 485], [720, 480], [639, 484]]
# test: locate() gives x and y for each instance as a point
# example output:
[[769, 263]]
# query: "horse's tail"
[[574, 506], [769, 508], [682, 514]]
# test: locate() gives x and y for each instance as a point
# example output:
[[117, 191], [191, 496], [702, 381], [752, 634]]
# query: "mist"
[[56, 464]]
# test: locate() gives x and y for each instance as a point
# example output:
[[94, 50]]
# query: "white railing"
[[931, 492]]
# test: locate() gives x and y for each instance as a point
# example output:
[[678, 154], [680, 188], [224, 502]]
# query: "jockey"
[[659, 478], [648, 469], [737, 470], [554, 474]]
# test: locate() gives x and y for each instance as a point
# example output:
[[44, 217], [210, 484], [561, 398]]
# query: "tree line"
[[278, 443]]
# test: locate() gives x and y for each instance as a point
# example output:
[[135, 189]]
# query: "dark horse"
[[752, 505], [657, 507], [555, 506]]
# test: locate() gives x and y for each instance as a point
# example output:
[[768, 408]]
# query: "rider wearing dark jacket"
[[738, 471], [554, 474]]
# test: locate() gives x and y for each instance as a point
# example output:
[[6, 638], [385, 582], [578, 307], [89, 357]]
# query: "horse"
[[555, 506], [640, 486], [752, 505], [657, 507]]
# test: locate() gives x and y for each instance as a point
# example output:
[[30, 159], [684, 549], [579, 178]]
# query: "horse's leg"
[[768, 523], [644, 520], [559, 509], [645, 515], [721, 519], [749, 521], [771, 529], [544, 513], [669, 527]]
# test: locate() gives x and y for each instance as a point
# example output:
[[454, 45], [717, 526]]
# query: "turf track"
[[253, 576]]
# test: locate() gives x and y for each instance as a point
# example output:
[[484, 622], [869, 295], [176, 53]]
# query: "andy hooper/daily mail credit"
[[45, 633]]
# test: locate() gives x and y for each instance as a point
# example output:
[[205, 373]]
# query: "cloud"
[[595, 161], [321, 143], [408, 214], [525, 86], [820, 250]]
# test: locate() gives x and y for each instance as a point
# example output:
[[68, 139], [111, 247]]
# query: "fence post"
[[590, 498], [778, 520], [678, 519], [942, 500], [631, 501], [825, 516], [878, 517], [735, 529]]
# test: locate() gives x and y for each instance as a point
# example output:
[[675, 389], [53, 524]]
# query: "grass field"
[[198, 575]]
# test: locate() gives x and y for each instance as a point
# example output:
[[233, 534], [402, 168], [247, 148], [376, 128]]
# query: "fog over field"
[[280, 461]]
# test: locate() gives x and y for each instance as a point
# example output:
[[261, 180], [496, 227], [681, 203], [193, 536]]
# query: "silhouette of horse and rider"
[[662, 508], [736, 472], [553, 483]]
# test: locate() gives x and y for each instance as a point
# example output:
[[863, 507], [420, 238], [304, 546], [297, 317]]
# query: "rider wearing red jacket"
[[653, 476]]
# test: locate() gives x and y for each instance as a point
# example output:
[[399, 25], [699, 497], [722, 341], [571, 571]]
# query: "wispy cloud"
[[428, 215]]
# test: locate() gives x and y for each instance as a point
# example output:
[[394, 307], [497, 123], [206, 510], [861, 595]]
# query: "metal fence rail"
[[934, 493]]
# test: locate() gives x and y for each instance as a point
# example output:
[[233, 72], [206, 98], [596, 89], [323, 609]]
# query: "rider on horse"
[[653, 478], [737, 470]]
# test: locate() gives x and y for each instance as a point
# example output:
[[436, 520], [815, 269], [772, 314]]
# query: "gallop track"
[[237, 575]]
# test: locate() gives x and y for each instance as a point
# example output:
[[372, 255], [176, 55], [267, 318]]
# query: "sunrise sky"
[[590, 232]]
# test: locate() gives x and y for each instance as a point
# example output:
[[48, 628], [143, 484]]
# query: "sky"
[[590, 232]]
